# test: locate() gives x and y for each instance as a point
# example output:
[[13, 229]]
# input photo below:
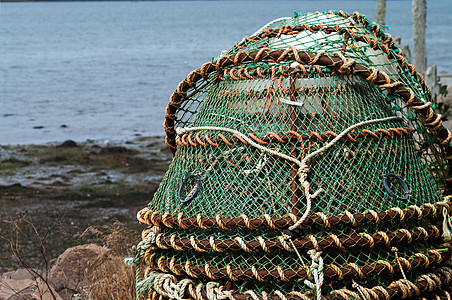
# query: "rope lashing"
[[292, 135], [378, 267], [395, 250], [167, 286], [266, 26], [292, 87], [145, 244], [412, 212], [440, 276], [347, 63], [268, 245], [140, 253], [362, 291], [317, 272], [303, 168]]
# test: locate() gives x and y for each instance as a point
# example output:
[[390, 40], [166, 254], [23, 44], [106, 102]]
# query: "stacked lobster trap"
[[308, 163]]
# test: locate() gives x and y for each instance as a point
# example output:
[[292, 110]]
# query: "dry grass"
[[113, 279], [109, 278], [117, 237]]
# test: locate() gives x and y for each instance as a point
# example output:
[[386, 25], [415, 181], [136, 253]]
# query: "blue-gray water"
[[105, 70]]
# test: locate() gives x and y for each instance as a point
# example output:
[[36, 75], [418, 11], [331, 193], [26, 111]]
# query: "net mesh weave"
[[247, 163]]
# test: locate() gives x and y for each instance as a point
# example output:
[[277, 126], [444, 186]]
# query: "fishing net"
[[308, 162]]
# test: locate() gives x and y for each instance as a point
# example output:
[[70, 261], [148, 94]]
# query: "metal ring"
[[401, 182], [194, 191], [261, 200]]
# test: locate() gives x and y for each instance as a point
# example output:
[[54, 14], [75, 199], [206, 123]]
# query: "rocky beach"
[[52, 193]]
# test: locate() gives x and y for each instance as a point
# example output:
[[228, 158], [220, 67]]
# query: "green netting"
[[318, 117], [236, 176]]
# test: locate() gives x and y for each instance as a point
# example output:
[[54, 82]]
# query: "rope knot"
[[316, 270], [345, 68], [179, 131], [210, 289], [315, 256]]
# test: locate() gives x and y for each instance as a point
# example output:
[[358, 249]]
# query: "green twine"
[[144, 286]]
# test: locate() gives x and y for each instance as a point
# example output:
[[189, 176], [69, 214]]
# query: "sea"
[[105, 70]]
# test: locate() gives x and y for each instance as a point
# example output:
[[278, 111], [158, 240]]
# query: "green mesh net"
[[308, 162]]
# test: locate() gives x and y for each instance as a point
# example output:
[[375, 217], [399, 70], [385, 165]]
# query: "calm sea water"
[[105, 70]]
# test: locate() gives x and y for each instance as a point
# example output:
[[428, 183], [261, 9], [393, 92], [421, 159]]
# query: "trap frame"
[[308, 163]]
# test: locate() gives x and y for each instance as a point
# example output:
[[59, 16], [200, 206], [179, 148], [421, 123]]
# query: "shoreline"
[[64, 188], [100, 140]]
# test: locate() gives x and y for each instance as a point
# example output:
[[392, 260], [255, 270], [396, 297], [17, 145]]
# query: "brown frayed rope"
[[155, 218], [425, 285], [187, 139], [427, 116], [400, 236], [331, 271]]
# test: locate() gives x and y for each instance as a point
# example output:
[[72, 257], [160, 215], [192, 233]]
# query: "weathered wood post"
[[419, 11], [381, 11]]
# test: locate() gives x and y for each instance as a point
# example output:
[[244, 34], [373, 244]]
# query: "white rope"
[[361, 290], [167, 286], [447, 235], [210, 290], [317, 272], [180, 131], [303, 168], [159, 283], [265, 26], [148, 241], [341, 135]]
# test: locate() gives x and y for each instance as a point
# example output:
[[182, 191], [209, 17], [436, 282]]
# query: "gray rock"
[[68, 144], [26, 284], [74, 266]]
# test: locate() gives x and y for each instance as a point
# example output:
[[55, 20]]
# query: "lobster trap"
[[308, 163]]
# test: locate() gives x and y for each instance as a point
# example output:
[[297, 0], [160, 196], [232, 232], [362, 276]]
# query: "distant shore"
[[102, 0]]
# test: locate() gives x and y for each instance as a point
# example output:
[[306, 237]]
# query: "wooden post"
[[381, 10], [419, 23], [432, 80]]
